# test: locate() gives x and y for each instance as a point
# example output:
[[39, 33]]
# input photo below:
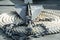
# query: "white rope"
[[5, 18]]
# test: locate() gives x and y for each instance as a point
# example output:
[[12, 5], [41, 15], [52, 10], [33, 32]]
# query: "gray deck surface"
[[6, 2], [49, 37]]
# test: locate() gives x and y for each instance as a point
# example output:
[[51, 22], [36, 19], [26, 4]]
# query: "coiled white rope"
[[51, 26], [8, 18]]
